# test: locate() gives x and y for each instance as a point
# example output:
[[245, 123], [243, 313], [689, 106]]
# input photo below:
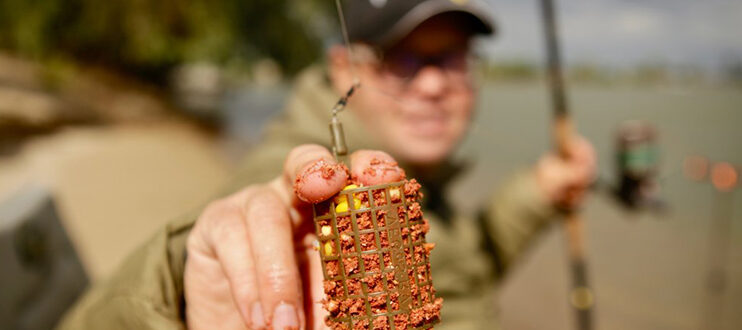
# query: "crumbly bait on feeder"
[[375, 258]]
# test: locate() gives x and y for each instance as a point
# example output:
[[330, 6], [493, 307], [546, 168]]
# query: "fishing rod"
[[581, 296], [724, 177]]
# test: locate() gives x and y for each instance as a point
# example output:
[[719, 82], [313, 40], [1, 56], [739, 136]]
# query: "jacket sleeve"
[[146, 292], [514, 216]]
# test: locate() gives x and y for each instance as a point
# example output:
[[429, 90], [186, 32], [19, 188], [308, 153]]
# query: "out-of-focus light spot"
[[724, 177], [695, 167]]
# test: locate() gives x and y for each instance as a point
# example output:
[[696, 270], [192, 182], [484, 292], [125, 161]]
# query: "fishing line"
[[353, 65], [340, 105], [346, 40]]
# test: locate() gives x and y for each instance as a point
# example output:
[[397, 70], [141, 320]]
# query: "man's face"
[[418, 98]]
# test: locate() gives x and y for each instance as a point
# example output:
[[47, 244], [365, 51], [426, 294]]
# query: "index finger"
[[312, 175], [372, 167]]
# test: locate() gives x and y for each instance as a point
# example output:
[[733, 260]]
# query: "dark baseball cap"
[[383, 22]]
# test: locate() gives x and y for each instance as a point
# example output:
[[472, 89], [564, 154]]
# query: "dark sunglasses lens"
[[456, 61], [402, 65]]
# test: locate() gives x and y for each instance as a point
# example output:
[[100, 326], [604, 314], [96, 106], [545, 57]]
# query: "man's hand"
[[564, 180], [250, 258]]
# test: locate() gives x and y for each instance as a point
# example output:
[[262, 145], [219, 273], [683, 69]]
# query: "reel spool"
[[637, 165]]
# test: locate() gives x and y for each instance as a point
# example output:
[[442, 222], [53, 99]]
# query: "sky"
[[624, 33]]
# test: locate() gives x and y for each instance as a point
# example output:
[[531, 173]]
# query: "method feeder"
[[375, 260], [373, 252]]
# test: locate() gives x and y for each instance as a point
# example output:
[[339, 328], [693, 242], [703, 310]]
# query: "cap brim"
[[483, 23]]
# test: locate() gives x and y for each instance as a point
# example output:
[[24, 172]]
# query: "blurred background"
[[117, 116]]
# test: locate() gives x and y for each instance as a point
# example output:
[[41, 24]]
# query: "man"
[[249, 261]]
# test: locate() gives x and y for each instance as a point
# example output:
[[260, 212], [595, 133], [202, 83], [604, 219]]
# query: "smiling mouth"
[[427, 126]]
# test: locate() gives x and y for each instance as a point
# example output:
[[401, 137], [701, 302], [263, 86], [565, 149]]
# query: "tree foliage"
[[148, 37]]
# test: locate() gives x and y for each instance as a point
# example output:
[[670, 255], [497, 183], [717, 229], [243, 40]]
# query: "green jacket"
[[471, 253]]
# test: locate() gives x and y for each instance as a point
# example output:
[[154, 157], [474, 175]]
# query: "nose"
[[430, 82]]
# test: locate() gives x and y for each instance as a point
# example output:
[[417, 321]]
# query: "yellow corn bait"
[[394, 194], [326, 230], [343, 206], [342, 201], [329, 249], [343, 198]]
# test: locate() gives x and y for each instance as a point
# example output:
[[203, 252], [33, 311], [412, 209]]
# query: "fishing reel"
[[637, 166]]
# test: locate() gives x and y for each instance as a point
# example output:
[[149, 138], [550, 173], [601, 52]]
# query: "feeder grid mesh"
[[356, 252]]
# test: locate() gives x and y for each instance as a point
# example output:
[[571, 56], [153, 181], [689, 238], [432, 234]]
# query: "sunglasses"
[[404, 65]]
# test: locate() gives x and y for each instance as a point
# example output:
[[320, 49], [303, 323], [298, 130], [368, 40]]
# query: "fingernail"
[[256, 316], [285, 318]]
